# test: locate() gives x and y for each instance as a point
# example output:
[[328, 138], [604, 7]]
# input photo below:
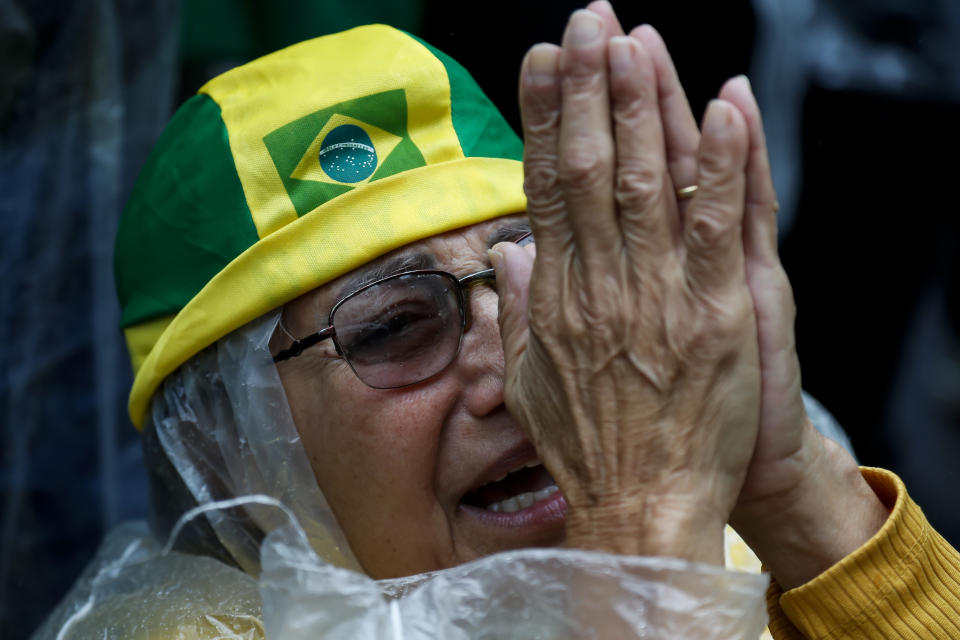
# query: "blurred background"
[[861, 100]]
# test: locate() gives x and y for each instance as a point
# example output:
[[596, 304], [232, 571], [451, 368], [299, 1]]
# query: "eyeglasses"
[[402, 329]]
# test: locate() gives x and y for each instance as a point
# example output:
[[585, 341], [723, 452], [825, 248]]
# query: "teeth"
[[528, 465], [545, 492], [522, 501]]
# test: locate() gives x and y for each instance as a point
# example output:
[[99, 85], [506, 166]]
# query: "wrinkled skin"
[[613, 242], [647, 353], [636, 369], [395, 463]]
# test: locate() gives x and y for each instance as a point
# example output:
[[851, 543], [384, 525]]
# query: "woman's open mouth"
[[521, 498], [515, 490]]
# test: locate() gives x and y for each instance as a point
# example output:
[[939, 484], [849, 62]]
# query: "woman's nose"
[[481, 361]]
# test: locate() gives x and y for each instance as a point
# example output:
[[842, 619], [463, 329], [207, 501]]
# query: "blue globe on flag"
[[347, 154]]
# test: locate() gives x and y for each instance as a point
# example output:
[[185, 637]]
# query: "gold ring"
[[687, 192]]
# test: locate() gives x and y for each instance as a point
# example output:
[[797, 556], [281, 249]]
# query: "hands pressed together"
[[649, 339]]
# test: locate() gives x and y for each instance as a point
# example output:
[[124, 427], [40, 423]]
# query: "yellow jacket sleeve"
[[903, 583]]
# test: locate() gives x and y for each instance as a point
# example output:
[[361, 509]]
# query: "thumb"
[[513, 265]]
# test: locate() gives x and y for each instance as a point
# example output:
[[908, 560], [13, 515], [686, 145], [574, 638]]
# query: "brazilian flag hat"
[[289, 171]]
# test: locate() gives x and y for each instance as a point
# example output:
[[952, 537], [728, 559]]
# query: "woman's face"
[[415, 475]]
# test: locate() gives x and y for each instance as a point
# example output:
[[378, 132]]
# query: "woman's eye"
[[398, 323], [395, 334]]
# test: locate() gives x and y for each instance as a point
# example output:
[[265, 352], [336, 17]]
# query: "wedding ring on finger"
[[687, 192]]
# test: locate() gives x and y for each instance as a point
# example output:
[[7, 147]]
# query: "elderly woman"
[[373, 407]]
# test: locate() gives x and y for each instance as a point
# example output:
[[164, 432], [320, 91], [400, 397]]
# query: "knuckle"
[[709, 226], [541, 120], [717, 165], [582, 81], [724, 321], [630, 113], [638, 187], [540, 185], [540, 176], [584, 165]]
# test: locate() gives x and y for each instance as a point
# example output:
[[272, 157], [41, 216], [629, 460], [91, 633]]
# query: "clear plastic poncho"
[[286, 570]]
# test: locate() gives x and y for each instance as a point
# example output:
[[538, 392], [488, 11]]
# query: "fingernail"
[[496, 259], [602, 6], [717, 117], [542, 65], [644, 28], [584, 29], [621, 55], [597, 3]]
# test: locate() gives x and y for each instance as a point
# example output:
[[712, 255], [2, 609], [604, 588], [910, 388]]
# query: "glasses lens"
[[402, 330]]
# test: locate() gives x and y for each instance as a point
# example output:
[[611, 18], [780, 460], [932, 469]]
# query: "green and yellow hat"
[[289, 171]]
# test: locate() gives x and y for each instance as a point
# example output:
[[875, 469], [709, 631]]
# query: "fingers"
[[540, 103], [760, 217], [768, 282], [585, 150], [682, 136], [769, 285], [592, 186], [513, 265], [611, 23], [642, 190], [712, 229]]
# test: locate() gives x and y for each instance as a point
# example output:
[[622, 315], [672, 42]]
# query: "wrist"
[[650, 526], [829, 514]]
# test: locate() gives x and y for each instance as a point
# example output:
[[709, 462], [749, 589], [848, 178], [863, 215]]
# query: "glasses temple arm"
[[299, 345]]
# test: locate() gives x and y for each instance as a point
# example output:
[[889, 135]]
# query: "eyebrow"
[[387, 268], [508, 232], [422, 260]]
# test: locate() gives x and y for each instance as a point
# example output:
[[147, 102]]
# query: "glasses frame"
[[462, 289]]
